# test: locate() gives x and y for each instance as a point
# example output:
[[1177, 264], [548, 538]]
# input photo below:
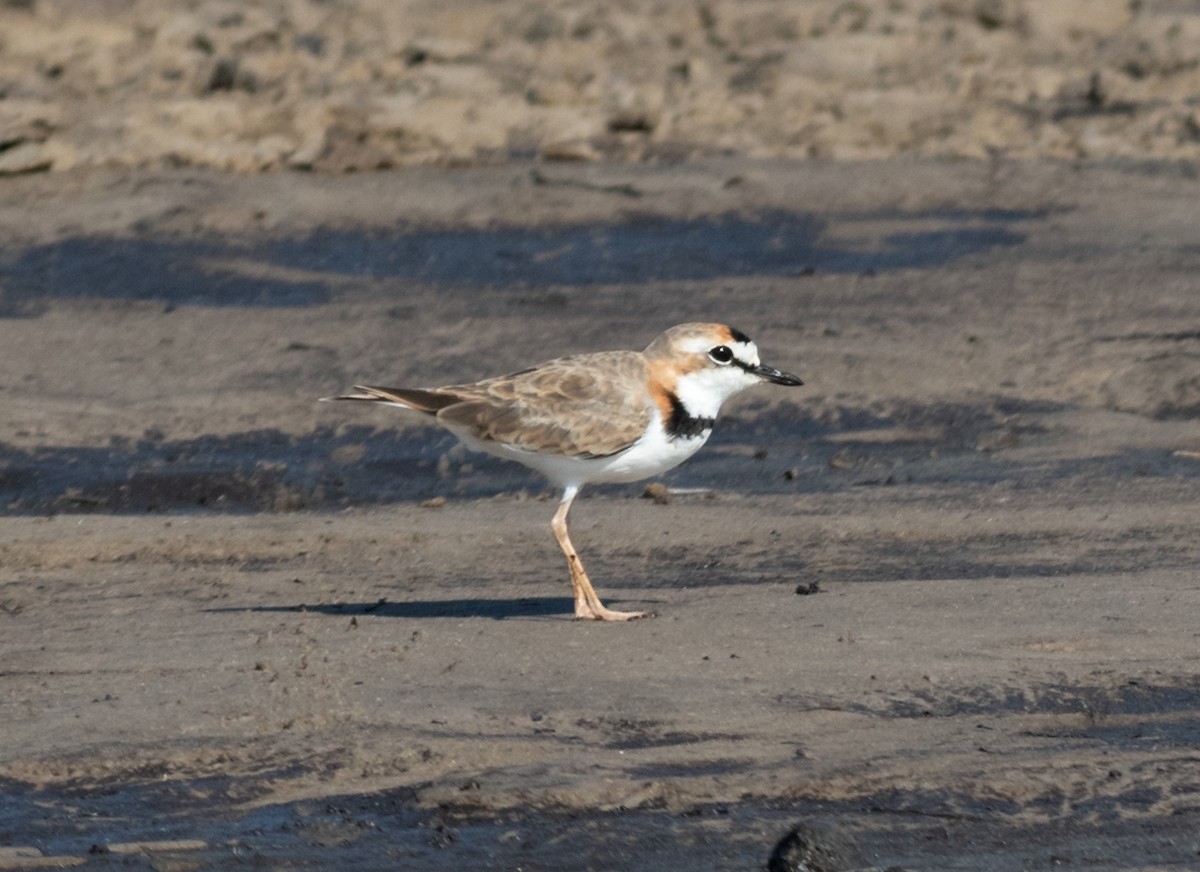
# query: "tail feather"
[[429, 402]]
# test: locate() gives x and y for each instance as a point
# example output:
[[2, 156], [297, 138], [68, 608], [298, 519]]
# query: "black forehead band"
[[737, 335]]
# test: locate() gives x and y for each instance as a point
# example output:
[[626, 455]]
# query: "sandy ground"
[[937, 608], [241, 628], [365, 84]]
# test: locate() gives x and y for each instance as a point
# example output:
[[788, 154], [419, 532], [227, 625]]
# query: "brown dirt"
[[368, 84], [232, 634], [241, 628]]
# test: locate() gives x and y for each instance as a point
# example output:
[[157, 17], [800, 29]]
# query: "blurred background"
[[367, 84]]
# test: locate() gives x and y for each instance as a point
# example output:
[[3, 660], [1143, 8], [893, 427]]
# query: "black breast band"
[[682, 424]]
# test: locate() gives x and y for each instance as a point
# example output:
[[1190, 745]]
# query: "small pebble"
[[808, 849], [658, 492]]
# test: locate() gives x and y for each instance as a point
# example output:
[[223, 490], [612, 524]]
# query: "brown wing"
[[586, 405]]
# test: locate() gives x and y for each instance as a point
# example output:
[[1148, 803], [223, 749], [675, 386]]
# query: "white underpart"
[[652, 454]]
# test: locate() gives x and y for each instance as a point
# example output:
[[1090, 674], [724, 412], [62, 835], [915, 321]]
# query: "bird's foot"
[[585, 611]]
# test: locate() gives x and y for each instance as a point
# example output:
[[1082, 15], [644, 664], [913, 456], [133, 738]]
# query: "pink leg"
[[587, 604]]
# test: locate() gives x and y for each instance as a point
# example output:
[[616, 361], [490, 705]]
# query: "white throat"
[[702, 392]]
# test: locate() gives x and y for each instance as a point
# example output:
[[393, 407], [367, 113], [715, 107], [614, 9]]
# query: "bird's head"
[[706, 364]]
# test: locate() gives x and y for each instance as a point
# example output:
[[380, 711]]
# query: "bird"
[[609, 416]]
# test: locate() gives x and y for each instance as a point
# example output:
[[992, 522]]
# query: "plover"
[[612, 416]]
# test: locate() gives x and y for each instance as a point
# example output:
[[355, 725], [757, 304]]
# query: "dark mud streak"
[[267, 470], [666, 740], [1174, 702], [883, 559], [1145, 733], [632, 734], [634, 251], [896, 827], [1176, 336], [691, 770]]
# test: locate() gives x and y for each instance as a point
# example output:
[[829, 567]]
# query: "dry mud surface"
[[367, 84], [239, 628]]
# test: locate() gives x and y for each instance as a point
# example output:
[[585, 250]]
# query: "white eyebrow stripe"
[[745, 354]]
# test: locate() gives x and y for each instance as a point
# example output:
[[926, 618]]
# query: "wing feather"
[[589, 405], [427, 401]]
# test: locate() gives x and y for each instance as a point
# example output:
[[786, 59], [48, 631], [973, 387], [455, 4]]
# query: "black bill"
[[774, 376]]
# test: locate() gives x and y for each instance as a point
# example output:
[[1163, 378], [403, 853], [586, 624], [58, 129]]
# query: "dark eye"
[[721, 354]]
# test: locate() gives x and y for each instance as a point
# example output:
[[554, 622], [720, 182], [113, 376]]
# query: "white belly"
[[651, 455]]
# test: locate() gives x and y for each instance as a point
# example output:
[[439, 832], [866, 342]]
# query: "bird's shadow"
[[496, 609]]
